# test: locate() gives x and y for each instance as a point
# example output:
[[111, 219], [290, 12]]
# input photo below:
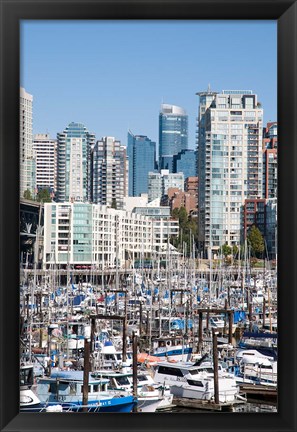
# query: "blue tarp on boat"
[[239, 316], [78, 299]]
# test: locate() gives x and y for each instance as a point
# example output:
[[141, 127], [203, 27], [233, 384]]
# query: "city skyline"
[[120, 84]]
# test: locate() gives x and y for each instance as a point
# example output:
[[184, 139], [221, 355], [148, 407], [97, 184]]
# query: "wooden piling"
[[93, 327], [264, 312], [134, 368], [215, 366], [86, 375], [250, 316], [207, 320], [200, 330], [230, 317]]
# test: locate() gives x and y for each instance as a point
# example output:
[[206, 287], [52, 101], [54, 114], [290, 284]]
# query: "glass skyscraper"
[[74, 165], [142, 159], [173, 134], [185, 162]]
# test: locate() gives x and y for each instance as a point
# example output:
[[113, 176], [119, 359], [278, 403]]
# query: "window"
[[170, 371], [195, 383]]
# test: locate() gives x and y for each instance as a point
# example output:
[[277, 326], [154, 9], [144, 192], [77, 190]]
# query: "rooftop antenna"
[[208, 89]]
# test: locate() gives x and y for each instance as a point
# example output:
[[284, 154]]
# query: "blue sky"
[[113, 75]]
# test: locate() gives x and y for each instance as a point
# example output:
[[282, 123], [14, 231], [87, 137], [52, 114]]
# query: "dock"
[[206, 405], [254, 391]]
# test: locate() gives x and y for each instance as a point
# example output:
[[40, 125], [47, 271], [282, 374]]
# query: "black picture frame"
[[285, 12]]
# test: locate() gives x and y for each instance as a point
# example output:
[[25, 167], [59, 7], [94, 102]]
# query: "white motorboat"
[[188, 381], [256, 368], [150, 396]]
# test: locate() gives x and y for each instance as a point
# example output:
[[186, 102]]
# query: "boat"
[[150, 396], [187, 381], [256, 368], [108, 357], [172, 348], [265, 343], [29, 402], [66, 389]]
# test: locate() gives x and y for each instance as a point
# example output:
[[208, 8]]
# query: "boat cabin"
[[62, 385], [26, 376]]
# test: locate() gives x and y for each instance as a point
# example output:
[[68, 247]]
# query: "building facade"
[[141, 152], [83, 233], [271, 227], [45, 151], [173, 134], [185, 162], [178, 199], [254, 213], [270, 160], [159, 183], [74, 163], [229, 164], [109, 173], [27, 161]]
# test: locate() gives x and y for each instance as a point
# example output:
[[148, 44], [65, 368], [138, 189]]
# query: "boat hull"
[[120, 405]]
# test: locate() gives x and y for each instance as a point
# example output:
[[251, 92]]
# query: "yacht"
[[189, 381], [150, 396]]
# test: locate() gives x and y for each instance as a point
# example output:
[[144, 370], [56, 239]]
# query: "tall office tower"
[[229, 164], [45, 150], [74, 163], [142, 159], [185, 161], [110, 173], [270, 161], [159, 183], [173, 134], [27, 162]]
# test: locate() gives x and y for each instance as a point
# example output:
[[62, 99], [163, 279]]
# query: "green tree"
[[235, 250], [183, 217], [256, 241], [27, 195], [188, 230], [175, 213], [43, 195], [226, 250]]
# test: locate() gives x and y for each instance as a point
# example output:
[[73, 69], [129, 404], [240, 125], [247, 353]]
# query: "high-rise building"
[[185, 162], [271, 227], [159, 183], [173, 134], [229, 163], [109, 173], [73, 173], [270, 161], [142, 159], [45, 150], [27, 161]]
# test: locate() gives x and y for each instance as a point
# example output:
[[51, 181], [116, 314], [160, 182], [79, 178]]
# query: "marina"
[[148, 340]]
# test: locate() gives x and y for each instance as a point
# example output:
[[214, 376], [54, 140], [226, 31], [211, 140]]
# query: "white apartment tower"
[[74, 163], [27, 162], [159, 183], [109, 173], [229, 163], [45, 150]]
